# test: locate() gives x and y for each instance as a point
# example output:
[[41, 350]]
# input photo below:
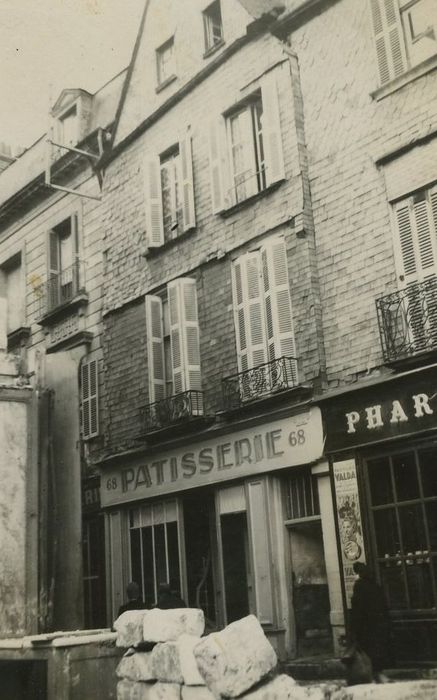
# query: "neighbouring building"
[[50, 276]]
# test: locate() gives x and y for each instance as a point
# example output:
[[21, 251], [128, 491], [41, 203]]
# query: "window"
[[165, 62], [90, 398], [68, 131], [302, 498], [212, 23], [405, 34], [63, 262], [262, 307], [170, 209], [12, 291], [154, 548], [173, 340], [246, 148]]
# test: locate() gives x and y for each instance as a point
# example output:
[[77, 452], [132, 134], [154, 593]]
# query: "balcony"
[[62, 290], [407, 322], [259, 382], [172, 412]]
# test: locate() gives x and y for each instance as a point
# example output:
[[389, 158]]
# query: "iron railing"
[[172, 410], [259, 381], [407, 320], [60, 288]]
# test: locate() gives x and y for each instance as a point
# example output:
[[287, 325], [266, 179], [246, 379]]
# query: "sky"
[[49, 45]]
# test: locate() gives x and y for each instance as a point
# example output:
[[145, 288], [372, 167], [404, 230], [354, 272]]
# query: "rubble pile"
[[168, 659]]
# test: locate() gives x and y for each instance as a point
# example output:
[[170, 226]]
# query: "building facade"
[[269, 246], [50, 276]]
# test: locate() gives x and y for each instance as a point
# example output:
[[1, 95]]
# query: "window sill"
[[18, 337], [212, 49], [408, 77], [63, 310], [155, 250], [166, 83], [250, 200]]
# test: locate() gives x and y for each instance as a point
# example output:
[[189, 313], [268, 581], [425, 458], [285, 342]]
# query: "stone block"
[[129, 628], [404, 690], [168, 625], [235, 659], [165, 691], [189, 670], [196, 692], [280, 688], [136, 666], [165, 663], [130, 690]]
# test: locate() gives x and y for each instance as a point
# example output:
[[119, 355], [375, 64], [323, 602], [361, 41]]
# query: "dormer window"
[[68, 132], [165, 62], [213, 27]]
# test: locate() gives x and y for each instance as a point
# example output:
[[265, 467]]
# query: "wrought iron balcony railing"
[[259, 382], [60, 288], [171, 411], [408, 320]]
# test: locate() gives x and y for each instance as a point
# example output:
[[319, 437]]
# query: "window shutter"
[[154, 219], [416, 240], [89, 396], [272, 138], [188, 208], [216, 165], [250, 186], [155, 348], [53, 287], [75, 249], [249, 311], [387, 28], [279, 315], [184, 333]]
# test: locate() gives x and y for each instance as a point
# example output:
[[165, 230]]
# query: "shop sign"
[[90, 495], [392, 409], [284, 443], [349, 521]]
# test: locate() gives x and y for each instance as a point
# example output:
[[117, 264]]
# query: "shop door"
[[402, 493], [235, 557], [93, 548]]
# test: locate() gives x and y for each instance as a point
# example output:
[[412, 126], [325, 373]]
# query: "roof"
[[32, 161]]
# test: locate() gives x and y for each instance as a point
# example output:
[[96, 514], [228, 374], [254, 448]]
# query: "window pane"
[[380, 481], [419, 585], [173, 557], [149, 582], [387, 536], [160, 554], [393, 585], [405, 476], [412, 528], [135, 556], [428, 470], [431, 515]]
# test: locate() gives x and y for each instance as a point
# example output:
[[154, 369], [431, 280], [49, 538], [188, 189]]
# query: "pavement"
[[327, 668]]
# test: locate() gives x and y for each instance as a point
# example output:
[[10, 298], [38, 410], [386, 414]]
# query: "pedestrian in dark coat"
[[168, 599], [370, 621], [134, 601]]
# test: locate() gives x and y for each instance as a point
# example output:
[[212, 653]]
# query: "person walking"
[[370, 621]]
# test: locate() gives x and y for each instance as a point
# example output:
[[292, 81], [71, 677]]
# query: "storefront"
[[232, 521], [382, 442]]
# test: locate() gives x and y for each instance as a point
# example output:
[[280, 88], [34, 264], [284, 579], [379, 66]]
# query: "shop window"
[[173, 340], [263, 315], [213, 27], [405, 34], [302, 498], [165, 62], [170, 209], [11, 285], [403, 503], [246, 148], [154, 548]]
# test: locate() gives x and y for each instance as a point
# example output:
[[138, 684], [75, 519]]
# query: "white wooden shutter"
[[187, 184], [416, 253], [155, 348], [184, 334], [77, 282], [249, 311], [272, 138], [279, 314], [154, 218], [90, 398], [53, 263], [389, 42], [216, 169]]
